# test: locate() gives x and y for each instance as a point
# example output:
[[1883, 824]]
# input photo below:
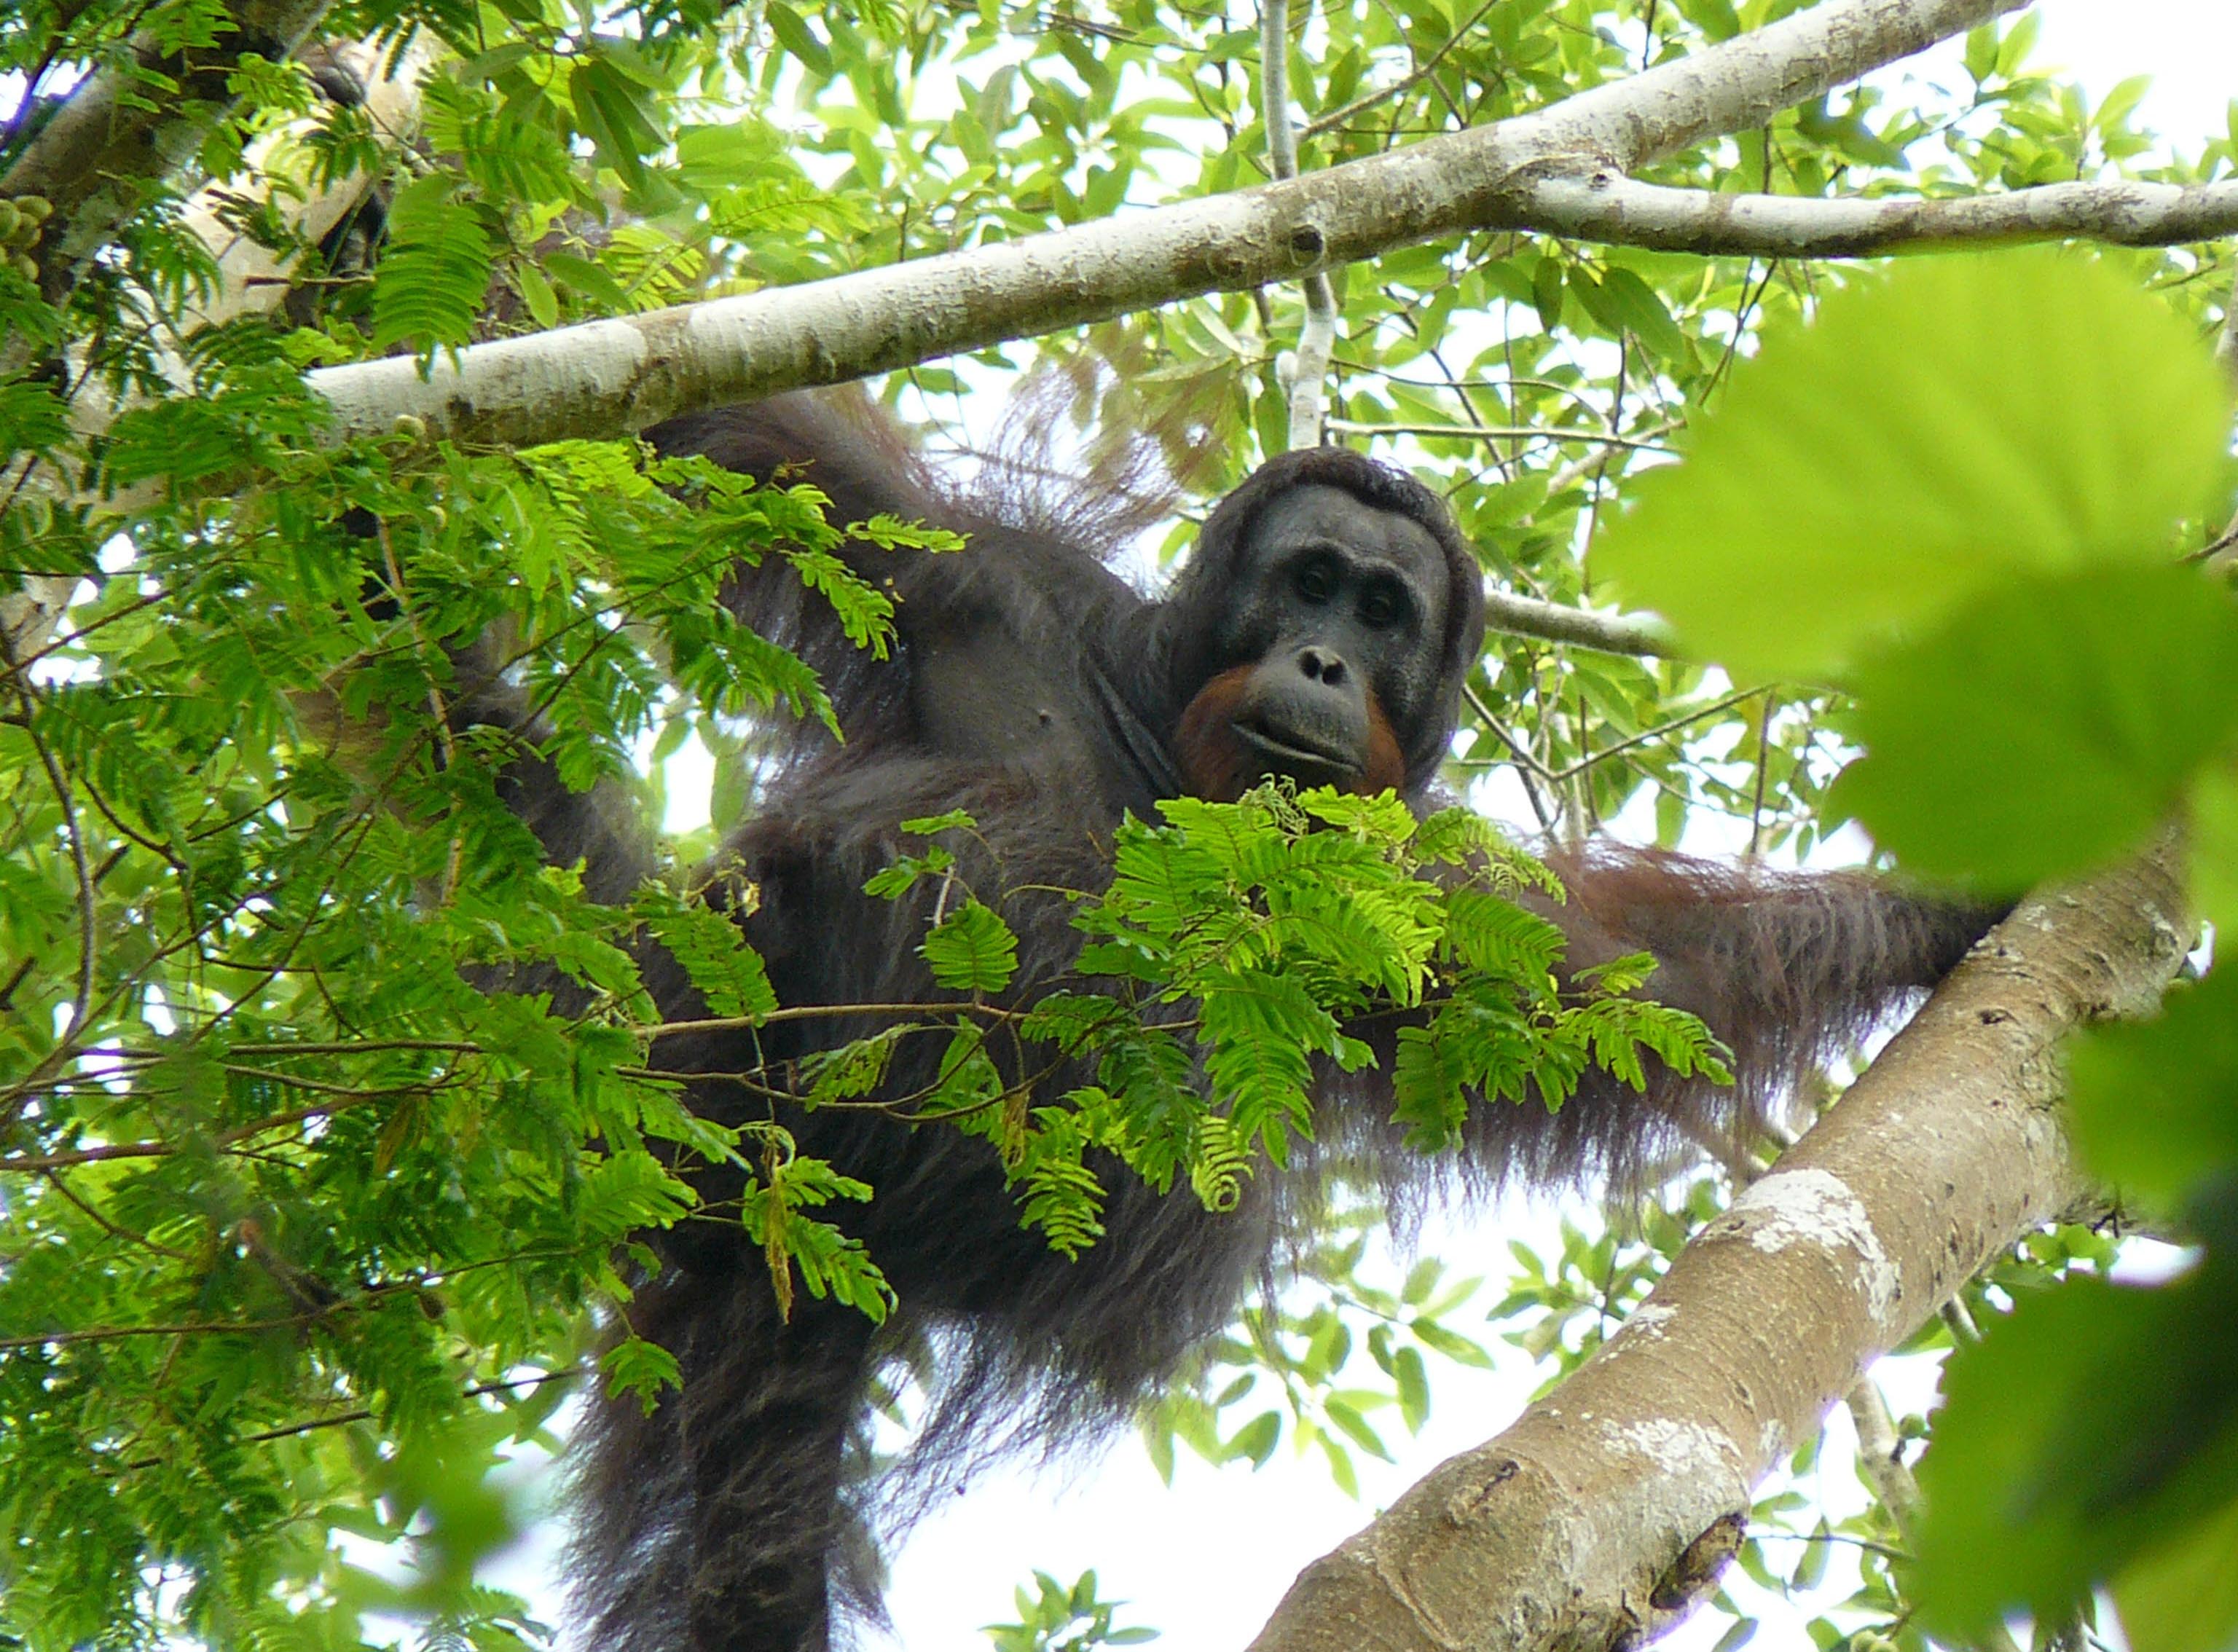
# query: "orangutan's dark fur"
[[1035, 690]]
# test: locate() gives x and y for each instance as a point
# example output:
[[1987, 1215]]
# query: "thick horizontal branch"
[[1558, 622], [624, 373], [1610, 1506], [118, 138], [1606, 206]]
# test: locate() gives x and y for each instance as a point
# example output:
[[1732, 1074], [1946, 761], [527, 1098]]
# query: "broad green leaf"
[[2097, 1423], [1256, 1440], [1938, 431], [536, 292], [2183, 1595], [2046, 726], [1638, 309], [2154, 1105], [793, 33], [2214, 845]]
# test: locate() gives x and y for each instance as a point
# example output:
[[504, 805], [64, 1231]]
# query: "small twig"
[[1841, 1537], [436, 709], [88, 933], [108, 1224], [1880, 1455], [1528, 769], [1722, 704], [45, 1163], [2223, 548], [364, 1414], [1960, 1322], [1420, 72], [1559, 623]]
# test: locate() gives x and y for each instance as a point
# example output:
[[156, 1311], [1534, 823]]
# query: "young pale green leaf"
[[2046, 726], [636, 1366], [926, 825], [1062, 1197], [1936, 431], [2153, 1106], [890, 882]]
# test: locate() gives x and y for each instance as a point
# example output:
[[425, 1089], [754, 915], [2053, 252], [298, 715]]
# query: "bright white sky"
[[1206, 1561]]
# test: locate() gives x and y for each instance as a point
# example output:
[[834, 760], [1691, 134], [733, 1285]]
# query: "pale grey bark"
[[1555, 622], [253, 279], [1606, 206], [622, 374], [1307, 366], [1602, 1515]]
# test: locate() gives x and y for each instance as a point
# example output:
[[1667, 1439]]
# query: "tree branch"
[[1308, 366], [1557, 622], [1604, 1512], [252, 277], [624, 373], [111, 145], [1607, 206]]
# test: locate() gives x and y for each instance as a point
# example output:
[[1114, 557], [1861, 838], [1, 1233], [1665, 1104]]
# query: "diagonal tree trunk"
[[1606, 1511]]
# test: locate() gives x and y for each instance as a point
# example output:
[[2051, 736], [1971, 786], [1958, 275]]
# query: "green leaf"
[[972, 950], [926, 825], [1638, 308], [1412, 1381], [536, 294], [2214, 845], [2182, 1596], [1937, 433], [617, 113], [591, 280], [727, 972], [1546, 291], [1256, 1440], [636, 1366], [32, 417], [793, 33], [2046, 726], [2154, 1105], [2096, 1424], [1348, 1418], [435, 270]]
